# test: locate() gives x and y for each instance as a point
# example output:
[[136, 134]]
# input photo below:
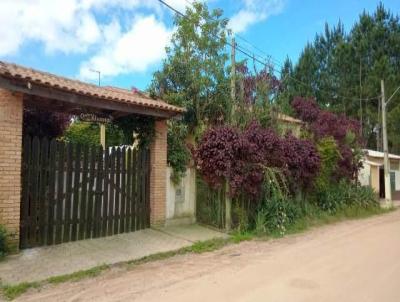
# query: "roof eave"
[[25, 86]]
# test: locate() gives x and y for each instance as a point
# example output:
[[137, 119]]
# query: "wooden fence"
[[73, 192]]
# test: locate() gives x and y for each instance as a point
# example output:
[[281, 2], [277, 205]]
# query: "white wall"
[[364, 175], [397, 179], [181, 198]]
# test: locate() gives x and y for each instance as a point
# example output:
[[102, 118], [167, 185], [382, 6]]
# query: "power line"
[[247, 53], [259, 50], [298, 81], [171, 8], [243, 51]]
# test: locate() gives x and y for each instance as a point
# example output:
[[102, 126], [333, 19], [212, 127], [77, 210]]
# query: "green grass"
[[320, 218], [79, 275], [313, 219], [238, 237], [11, 292], [197, 248], [207, 246]]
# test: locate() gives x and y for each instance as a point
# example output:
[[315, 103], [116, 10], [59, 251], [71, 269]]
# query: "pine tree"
[[342, 68]]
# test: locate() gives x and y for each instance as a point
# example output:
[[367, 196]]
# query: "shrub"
[[330, 156], [89, 134], [307, 110], [178, 155], [302, 162], [38, 122], [216, 155], [334, 197], [3, 241], [345, 131], [226, 153], [275, 215]]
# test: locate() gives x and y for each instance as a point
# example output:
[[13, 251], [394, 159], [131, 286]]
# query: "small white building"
[[371, 174]]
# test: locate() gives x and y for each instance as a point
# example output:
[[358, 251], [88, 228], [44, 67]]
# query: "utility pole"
[[233, 79], [228, 199], [388, 190], [361, 107], [379, 126], [386, 162]]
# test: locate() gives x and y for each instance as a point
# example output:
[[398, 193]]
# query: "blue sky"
[[125, 39]]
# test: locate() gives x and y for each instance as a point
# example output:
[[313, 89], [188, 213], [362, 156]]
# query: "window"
[[393, 181]]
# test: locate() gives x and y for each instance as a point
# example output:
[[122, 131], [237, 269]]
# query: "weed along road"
[[356, 260]]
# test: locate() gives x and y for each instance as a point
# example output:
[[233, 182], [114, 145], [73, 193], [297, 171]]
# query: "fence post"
[[11, 113], [158, 172]]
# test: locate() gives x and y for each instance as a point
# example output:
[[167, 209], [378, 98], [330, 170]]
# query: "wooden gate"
[[73, 192]]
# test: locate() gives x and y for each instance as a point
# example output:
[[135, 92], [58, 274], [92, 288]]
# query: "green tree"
[[287, 87], [339, 68], [89, 134], [194, 76]]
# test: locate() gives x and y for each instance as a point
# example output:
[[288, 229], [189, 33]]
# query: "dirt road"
[[350, 261]]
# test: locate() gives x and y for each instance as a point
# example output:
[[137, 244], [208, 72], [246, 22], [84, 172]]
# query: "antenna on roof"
[[102, 126], [98, 72]]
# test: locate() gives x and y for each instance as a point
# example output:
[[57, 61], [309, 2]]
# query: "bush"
[[334, 197], [276, 215], [330, 155], [241, 157], [89, 134], [345, 131], [178, 155], [3, 241]]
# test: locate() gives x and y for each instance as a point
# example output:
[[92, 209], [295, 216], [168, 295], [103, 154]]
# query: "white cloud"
[[131, 42], [74, 26], [134, 50], [69, 26], [179, 4], [254, 11], [59, 25]]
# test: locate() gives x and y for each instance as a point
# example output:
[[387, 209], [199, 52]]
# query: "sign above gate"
[[91, 117]]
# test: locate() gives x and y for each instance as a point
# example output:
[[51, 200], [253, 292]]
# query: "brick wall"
[[11, 112], [158, 170]]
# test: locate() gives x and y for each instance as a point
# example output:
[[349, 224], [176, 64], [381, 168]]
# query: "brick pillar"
[[11, 112], [158, 174]]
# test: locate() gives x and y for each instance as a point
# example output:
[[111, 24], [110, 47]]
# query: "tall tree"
[[343, 71], [194, 76], [287, 91]]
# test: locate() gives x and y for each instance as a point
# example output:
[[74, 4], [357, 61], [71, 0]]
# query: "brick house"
[[20, 87]]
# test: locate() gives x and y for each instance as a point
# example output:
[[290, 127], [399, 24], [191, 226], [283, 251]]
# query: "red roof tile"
[[114, 94]]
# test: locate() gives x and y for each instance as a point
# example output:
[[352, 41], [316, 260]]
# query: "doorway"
[[381, 183]]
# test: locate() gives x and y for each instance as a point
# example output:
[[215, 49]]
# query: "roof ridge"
[[4, 63], [108, 87], [111, 93]]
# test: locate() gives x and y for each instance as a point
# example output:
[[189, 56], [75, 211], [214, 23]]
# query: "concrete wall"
[[397, 183], [369, 174], [285, 126], [375, 178], [181, 198], [364, 175]]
